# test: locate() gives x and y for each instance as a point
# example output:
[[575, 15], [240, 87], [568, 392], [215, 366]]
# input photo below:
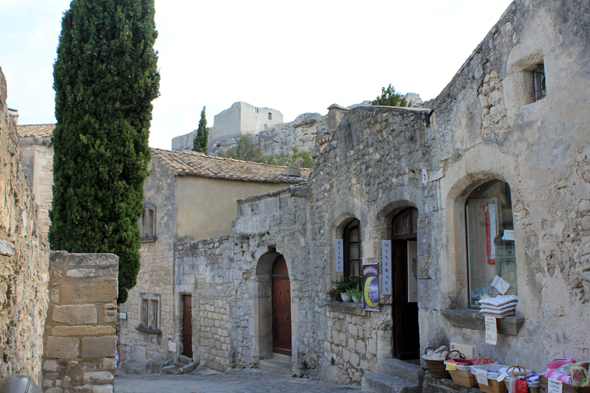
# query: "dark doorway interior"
[[406, 328], [281, 307], [187, 326]]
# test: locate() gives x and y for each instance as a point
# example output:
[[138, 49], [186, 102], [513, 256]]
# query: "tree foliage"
[[246, 150], [105, 78], [201, 140], [390, 97]]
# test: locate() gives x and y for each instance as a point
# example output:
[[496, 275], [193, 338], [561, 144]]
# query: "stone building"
[[188, 196], [484, 190], [36, 151]]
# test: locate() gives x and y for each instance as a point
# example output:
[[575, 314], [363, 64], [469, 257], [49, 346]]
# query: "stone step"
[[277, 366], [281, 357], [170, 370], [398, 368], [184, 359], [385, 383]]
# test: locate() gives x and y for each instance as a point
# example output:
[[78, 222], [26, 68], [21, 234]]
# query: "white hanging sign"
[[491, 330], [554, 386], [482, 377], [386, 267], [339, 255]]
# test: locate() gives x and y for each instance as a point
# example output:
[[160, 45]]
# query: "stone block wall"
[[80, 337], [37, 158], [24, 260]]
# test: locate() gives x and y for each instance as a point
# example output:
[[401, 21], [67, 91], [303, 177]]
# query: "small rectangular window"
[[149, 312], [147, 224], [539, 87]]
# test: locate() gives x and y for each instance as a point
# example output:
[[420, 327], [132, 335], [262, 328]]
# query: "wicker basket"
[[462, 376], [493, 386], [437, 367], [565, 387], [514, 372]]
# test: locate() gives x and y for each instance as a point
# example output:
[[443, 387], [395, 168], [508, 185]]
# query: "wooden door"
[[281, 308], [187, 326], [406, 327]]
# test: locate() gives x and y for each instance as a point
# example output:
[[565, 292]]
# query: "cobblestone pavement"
[[233, 381]]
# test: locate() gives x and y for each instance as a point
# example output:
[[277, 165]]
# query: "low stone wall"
[[24, 259], [80, 340]]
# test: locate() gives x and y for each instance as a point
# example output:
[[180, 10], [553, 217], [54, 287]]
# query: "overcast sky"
[[297, 56]]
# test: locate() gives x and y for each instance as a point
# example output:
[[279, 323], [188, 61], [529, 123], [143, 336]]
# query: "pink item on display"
[[558, 376], [557, 363]]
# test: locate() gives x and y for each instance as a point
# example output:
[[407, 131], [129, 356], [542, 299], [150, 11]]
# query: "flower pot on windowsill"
[[345, 297], [356, 299]]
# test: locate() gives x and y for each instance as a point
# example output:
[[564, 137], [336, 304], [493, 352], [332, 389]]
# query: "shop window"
[[539, 87], [490, 242], [147, 224], [352, 249], [149, 314]]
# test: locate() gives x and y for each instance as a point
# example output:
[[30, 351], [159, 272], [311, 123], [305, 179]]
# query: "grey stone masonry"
[[80, 336]]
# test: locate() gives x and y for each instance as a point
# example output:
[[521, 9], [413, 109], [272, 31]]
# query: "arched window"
[[491, 263], [352, 249]]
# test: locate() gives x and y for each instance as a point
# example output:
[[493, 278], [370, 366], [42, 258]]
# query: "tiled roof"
[[190, 163], [36, 130]]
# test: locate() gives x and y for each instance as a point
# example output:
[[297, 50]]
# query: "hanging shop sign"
[[339, 255], [371, 287], [491, 330], [386, 267]]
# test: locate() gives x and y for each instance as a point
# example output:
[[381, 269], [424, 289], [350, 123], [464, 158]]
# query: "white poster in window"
[[491, 231], [339, 255], [412, 272], [491, 331], [386, 267]]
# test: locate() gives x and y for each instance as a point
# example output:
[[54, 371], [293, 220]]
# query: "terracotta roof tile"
[[36, 130], [190, 163]]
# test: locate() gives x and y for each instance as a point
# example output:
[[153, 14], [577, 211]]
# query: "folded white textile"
[[499, 300], [498, 315], [506, 306]]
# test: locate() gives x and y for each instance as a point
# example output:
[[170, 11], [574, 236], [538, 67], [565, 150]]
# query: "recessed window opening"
[[269, 116], [147, 224], [491, 261], [149, 314], [352, 249], [539, 87]]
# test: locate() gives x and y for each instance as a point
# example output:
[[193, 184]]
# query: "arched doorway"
[[281, 307], [406, 334]]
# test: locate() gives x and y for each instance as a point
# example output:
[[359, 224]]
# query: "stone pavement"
[[233, 381]]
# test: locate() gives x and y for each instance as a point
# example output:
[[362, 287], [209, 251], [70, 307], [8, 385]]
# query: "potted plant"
[[343, 285], [356, 296], [347, 296]]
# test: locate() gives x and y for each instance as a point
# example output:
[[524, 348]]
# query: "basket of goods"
[[435, 360], [460, 370], [513, 375], [487, 376], [567, 375]]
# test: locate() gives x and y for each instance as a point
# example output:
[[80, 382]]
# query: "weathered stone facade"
[[191, 194], [80, 337], [24, 260], [485, 125]]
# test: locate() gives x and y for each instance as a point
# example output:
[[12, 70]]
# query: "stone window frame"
[[519, 85], [459, 314], [143, 225], [152, 300]]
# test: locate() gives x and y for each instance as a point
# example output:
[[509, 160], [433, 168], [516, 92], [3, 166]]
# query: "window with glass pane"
[[144, 312], [490, 242], [352, 254], [153, 317]]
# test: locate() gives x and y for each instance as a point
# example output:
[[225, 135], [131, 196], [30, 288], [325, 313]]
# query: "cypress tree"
[[105, 78], [202, 138]]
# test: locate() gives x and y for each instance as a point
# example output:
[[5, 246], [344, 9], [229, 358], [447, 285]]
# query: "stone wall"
[[156, 275], [243, 119], [37, 158], [24, 260], [80, 338], [280, 138]]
